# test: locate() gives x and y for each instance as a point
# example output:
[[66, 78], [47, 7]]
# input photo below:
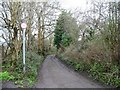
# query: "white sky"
[[82, 4], [73, 4]]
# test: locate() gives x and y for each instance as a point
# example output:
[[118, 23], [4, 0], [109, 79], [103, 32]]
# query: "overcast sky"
[[82, 4], [72, 4]]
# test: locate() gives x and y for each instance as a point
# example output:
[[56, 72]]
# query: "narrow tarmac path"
[[54, 74]]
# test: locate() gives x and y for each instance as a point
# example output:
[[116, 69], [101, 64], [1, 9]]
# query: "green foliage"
[[33, 61], [77, 67], [106, 73], [59, 31], [98, 71], [66, 40], [66, 30], [6, 76], [81, 66]]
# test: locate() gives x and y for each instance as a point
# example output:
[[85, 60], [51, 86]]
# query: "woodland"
[[88, 41]]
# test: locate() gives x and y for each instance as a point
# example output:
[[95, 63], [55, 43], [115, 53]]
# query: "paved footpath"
[[54, 74]]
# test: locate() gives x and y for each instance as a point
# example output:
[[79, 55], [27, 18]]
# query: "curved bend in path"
[[54, 74]]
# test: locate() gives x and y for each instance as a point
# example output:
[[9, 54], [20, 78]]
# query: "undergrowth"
[[6, 76], [33, 61], [106, 73]]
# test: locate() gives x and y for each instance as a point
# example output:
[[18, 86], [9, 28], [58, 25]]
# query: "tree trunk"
[[39, 35], [2, 51]]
